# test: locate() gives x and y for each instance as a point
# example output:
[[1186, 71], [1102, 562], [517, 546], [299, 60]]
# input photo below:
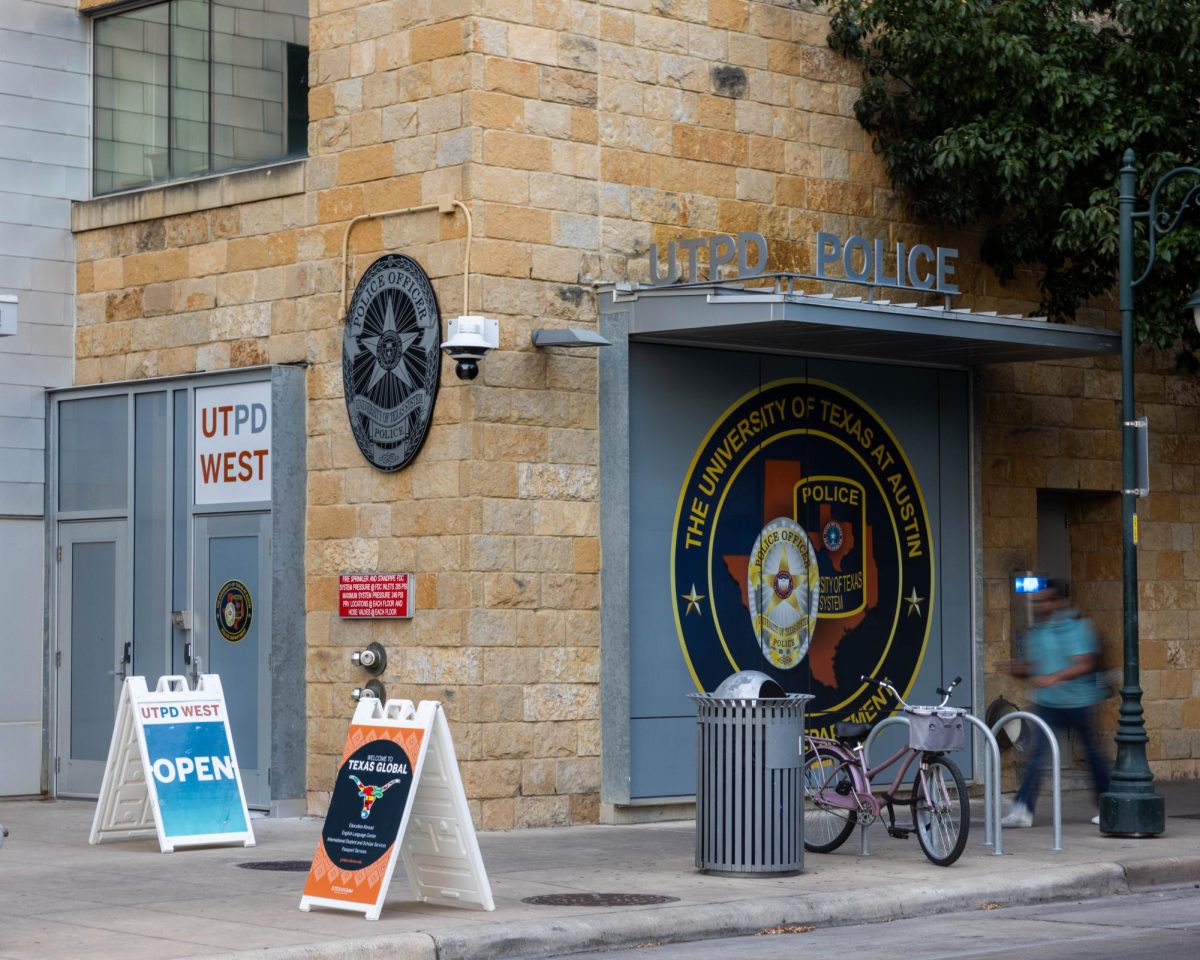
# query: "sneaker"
[[1096, 819], [1019, 816]]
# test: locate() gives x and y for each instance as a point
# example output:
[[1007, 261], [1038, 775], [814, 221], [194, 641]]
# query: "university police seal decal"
[[800, 537], [234, 610], [783, 591], [390, 361]]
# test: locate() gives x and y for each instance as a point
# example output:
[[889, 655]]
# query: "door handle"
[[193, 659], [122, 670]]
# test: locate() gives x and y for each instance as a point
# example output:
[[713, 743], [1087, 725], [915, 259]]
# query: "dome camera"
[[469, 341]]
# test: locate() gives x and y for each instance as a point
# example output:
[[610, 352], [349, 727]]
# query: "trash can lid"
[[1013, 733], [750, 685]]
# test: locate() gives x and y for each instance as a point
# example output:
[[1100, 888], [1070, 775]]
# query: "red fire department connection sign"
[[372, 595]]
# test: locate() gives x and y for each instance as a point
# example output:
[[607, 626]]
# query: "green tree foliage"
[[1014, 114]]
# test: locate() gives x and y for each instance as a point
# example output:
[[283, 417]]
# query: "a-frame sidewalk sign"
[[172, 769], [398, 793]]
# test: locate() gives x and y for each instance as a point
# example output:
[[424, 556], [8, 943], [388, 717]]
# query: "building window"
[[194, 87]]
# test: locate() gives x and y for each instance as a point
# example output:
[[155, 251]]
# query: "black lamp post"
[[1131, 807]]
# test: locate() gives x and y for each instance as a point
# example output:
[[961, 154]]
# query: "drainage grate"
[[597, 900], [291, 866]]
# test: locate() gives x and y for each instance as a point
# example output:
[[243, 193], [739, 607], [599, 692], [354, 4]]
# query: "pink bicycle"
[[837, 782]]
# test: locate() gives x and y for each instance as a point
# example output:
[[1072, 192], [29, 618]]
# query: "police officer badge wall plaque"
[[802, 547], [390, 361]]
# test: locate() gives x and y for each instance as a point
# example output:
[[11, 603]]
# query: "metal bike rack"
[[991, 783], [1054, 762], [991, 789]]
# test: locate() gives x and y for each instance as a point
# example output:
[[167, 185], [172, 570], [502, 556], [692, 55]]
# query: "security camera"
[[470, 339]]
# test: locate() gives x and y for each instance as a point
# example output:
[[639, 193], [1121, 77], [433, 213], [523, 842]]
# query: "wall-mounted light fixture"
[[570, 337]]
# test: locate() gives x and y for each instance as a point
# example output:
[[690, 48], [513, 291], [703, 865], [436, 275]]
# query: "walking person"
[[1062, 656]]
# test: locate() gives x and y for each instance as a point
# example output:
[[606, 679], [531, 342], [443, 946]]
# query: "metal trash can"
[[749, 784]]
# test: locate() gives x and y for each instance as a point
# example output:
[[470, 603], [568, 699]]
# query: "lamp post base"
[[1132, 814]]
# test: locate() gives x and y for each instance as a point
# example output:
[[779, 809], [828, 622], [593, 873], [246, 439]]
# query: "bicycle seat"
[[853, 732]]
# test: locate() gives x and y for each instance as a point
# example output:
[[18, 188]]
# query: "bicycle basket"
[[932, 729]]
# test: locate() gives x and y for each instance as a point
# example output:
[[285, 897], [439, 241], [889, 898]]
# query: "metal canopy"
[[771, 321]]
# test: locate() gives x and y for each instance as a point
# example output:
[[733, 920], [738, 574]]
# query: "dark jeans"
[[1080, 720]]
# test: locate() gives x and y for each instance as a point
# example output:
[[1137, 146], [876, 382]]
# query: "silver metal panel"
[[151, 536], [236, 547], [93, 627], [92, 454], [722, 318], [21, 653]]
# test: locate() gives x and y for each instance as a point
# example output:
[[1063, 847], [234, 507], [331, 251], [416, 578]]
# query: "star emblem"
[[783, 587], [389, 348], [693, 600], [914, 602]]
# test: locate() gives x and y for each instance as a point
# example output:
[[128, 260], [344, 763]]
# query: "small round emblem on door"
[[234, 610]]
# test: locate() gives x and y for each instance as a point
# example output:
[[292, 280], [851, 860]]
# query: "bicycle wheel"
[[941, 813], [826, 827]]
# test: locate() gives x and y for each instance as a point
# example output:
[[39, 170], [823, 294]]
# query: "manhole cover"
[[292, 866], [597, 900]]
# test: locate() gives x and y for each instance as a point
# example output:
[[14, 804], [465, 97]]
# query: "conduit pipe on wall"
[[444, 205]]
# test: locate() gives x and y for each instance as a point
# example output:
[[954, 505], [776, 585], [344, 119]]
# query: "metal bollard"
[[991, 790]]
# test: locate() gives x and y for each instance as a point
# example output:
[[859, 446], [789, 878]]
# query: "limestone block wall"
[[1053, 426], [577, 131]]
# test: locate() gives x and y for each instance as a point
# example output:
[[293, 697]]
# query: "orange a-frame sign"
[[398, 792]]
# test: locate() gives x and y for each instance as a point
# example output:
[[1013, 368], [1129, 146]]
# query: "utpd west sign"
[[232, 432]]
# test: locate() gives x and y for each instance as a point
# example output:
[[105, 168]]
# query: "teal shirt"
[[1049, 647]]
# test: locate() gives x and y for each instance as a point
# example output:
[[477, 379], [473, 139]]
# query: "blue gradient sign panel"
[[195, 775]]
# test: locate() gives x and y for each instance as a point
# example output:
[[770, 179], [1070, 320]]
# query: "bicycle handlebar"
[[887, 685]]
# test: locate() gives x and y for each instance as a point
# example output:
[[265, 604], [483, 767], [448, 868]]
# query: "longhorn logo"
[[370, 794]]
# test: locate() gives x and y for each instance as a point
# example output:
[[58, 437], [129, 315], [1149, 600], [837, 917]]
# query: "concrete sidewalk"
[[61, 898]]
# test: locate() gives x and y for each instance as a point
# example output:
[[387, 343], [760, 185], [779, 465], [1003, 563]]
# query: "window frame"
[[120, 7]]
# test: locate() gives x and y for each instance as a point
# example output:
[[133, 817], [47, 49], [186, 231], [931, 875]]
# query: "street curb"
[[1162, 871], [409, 946], [531, 939], [559, 936]]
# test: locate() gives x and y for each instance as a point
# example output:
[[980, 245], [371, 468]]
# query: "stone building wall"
[[1054, 426], [577, 133]]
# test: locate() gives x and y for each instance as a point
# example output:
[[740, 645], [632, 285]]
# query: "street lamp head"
[[1194, 304]]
